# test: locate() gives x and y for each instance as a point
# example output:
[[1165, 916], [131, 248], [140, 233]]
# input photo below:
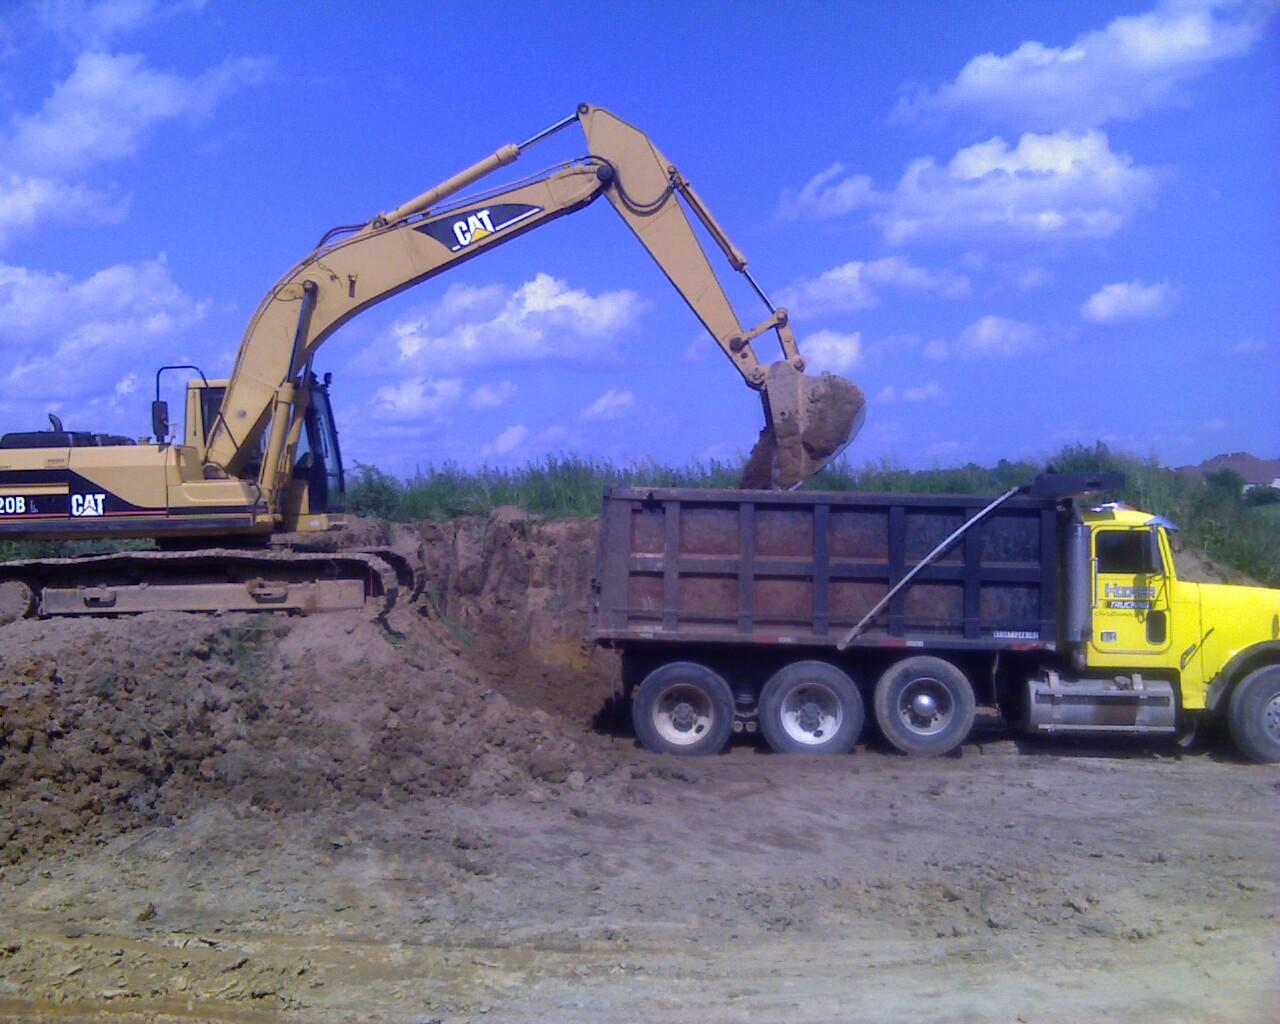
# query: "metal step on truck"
[[791, 613]]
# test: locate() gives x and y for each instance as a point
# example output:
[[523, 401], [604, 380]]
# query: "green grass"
[[1214, 518], [15, 549], [557, 486]]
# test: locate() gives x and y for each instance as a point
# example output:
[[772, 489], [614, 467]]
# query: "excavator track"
[[207, 580], [412, 579]]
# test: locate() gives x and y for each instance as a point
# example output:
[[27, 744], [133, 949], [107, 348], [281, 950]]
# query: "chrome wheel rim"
[[925, 706], [811, 713], [683, 714], [1271, 717]]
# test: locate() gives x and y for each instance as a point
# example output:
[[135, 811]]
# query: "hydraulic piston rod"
[[498, 158]]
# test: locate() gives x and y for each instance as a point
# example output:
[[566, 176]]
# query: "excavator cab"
[[317, 484]]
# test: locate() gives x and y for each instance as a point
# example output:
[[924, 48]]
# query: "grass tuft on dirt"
[[1215, 517]]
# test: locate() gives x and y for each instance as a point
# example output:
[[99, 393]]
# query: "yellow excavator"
[[259, 471]]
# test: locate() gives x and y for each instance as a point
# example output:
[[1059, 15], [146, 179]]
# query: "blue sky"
[[1015, 225]]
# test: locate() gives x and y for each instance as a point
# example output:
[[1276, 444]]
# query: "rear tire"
[[683, 708], [1253, 715], [924, 706], [811, 707]]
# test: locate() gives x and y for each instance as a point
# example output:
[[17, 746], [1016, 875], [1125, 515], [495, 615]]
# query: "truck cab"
[[1144, 618]]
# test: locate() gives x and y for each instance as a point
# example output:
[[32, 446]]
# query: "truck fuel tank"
[[1129, 704]]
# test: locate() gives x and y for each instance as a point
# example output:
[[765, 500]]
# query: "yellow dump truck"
[[787, 613]]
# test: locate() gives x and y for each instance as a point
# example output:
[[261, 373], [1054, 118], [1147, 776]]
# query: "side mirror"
[[160, 421]]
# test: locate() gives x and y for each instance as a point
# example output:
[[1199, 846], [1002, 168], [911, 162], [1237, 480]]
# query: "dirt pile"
[[106, 725]]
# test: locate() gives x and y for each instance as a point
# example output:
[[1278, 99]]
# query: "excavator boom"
[[808, 420]]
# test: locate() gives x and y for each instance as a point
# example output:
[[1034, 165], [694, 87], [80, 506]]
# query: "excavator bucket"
[[809, 421]]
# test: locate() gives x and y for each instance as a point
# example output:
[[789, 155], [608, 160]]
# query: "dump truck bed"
[[764, 567]]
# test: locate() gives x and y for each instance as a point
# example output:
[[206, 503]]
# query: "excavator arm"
[[808, 420]]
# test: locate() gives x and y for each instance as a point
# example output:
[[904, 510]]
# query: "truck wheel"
[[1253, 715], [924, 706], [810, 707], [683, 708]]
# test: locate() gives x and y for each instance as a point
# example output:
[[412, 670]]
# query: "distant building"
[[1255, 472]]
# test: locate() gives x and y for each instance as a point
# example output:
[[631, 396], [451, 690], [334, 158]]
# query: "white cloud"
[[542, 320], [1059, 185], [127, 385], [936, 350], [63, 337], [1128, 300], [696, 350], [26, 201], [94, 24], [921, 393], [1249, 347], [1215, 425], [852, 286], [1063, 185], [417, 397], [1032, 278], [829, 350], [491, 396], [609, 406], [827, 194], [1131, 66], [104, 109], [999, 336], [506, 443], [36, 304]]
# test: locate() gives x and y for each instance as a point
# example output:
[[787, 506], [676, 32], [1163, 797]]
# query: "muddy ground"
[[248, 819]]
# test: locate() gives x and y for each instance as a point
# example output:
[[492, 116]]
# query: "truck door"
[[1131, 595]]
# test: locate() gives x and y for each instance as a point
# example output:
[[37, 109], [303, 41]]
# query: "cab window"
[[1125, 551], [210, 404]]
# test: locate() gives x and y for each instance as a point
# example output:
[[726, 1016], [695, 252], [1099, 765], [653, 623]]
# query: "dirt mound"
[[106, 725]]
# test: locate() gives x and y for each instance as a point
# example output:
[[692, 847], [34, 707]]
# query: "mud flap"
[[809, 421]]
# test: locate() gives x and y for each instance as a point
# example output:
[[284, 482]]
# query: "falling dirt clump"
[[113, 724]]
